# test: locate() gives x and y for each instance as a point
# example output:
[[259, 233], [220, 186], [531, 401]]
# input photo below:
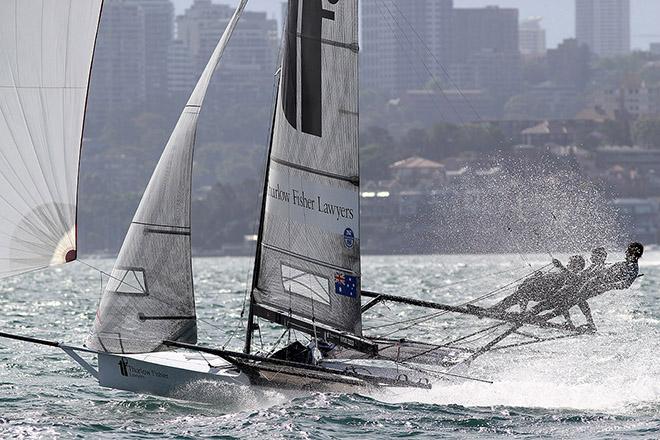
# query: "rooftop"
[[416, 162]]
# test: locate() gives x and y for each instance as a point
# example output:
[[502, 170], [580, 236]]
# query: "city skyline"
[[558, 16]]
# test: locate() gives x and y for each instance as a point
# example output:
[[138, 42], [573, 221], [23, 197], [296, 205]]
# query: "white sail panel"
[[46, 50], [311, 212], [150, 296]]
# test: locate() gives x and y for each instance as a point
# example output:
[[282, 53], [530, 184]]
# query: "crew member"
[[540, 287], [619, 276]]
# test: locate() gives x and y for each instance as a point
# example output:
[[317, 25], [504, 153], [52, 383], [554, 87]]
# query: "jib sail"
[[149, 297]]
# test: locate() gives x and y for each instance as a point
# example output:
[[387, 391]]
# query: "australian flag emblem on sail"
[[346, 285]]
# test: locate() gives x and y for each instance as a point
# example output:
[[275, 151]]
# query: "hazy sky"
[[558, 15]]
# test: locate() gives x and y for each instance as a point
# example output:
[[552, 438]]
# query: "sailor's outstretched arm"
[[558, 265]]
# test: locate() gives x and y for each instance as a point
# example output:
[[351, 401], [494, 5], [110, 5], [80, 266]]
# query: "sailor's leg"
[[545, 305], [554, 313], [538, 308], [593, 287], [507, 302], [586, 311]]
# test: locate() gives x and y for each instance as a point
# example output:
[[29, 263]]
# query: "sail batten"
[[46, 51], [308, 255], [150, 297]]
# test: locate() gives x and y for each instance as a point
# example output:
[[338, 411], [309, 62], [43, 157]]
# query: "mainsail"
[[46, 50], [308, 255], [149, 297]]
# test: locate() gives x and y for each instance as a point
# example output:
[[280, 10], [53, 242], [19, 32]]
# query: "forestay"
[[150, 298], [308, 257], [46, 50]]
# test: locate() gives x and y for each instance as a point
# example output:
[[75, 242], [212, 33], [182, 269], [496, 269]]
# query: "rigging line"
[[412, 64], [438, 374], [428, 70], [515, 242], [466, 280], [101, 272], [277, 343], [430, 52], [521, 344], [109, 275], [437, 314], [423, 319], [21, 272], [239, 324], [445, 344], [206, 360], [122, 282], [538, 242], [442, 67], [478, 335], [576, 249], [260, 203]]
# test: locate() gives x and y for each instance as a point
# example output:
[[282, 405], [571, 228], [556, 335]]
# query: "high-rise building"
[[181, 69], [250, 56], [604, 26], [491, 28], [118, 81], [568, 64], [409, 45], [532, 37], [404, 43], [654, 48], [159, 33], [485, 50], [240, 94]]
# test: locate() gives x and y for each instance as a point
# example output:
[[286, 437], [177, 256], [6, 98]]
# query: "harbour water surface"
[[605, 386]]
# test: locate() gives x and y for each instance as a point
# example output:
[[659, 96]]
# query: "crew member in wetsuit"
[[540, 287], [619, 276], [597, 259], [573, 284]]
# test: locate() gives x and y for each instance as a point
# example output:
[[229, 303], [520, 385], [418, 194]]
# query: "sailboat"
[[307, 275]]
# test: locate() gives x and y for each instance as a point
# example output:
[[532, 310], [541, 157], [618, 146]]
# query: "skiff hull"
[[169, 374], [188, 376]]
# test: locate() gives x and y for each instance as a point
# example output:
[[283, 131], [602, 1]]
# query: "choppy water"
[[605, 386]]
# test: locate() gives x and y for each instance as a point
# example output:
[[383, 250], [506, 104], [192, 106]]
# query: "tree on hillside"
[[616, 132], [377, 151], [646, 132]]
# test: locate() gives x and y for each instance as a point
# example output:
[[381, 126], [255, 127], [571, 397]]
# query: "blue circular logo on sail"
[[349, 238]]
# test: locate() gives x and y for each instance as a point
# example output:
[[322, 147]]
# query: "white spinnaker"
[[308, 257], [150, 297], [46, 50]]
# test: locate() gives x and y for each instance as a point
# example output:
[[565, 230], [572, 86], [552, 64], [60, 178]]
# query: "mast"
[[249, 330], [150, 295], [307, 267]]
